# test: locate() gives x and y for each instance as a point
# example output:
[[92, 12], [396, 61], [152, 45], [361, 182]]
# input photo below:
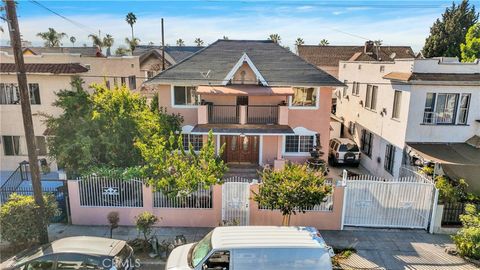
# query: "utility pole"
[[163, 48], [27, 117]]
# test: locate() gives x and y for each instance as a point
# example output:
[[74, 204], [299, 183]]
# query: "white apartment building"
[[395, 109], [47, 73]]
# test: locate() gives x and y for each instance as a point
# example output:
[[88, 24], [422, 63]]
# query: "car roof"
[[88, 245], [266, 237], [344, 140]]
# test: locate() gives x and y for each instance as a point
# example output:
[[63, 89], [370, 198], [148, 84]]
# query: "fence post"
[[345, 193], [434, 211]]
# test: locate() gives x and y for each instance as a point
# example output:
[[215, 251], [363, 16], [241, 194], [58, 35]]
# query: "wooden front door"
[[241, 149]]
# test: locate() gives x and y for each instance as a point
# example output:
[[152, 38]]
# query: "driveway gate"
[[235, 202], [405, 202]]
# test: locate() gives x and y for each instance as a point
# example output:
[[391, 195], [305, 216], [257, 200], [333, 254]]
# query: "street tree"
[[449, 31], [471, 48], [292, 190], [52, 38]]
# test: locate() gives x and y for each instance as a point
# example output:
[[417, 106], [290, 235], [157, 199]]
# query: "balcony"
[[243, 114]]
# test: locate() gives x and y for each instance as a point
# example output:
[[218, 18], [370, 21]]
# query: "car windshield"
[[201, 249], [349, 147], [30, 254]]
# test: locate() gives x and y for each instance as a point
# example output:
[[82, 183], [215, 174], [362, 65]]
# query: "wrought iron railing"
[[200, 199], [223, 114], [262, 114], [434, 118]]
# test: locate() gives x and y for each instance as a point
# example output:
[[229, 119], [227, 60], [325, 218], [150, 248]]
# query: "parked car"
[[343, 151], [254, 247], [81, 252]]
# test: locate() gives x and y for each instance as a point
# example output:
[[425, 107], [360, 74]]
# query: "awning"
[[245, 90], [458, 160], [237, 129]]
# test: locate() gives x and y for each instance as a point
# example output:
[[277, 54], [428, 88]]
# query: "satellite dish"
[[393, 55]]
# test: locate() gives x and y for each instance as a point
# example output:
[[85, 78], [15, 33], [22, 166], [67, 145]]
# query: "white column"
[[260, 151]]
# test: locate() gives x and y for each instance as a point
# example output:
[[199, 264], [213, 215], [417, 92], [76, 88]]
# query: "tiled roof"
[[85, 51], [68, 68], [331, 55], [277, 65]]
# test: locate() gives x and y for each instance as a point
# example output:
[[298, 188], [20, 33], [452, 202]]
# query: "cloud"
[[402, 30]]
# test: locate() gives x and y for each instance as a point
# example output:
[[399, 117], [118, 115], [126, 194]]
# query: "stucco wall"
[[269, 151]]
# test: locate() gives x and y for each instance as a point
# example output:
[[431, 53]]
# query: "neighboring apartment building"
[[395, 109], [48, 71], [265, 103], [151, 62]]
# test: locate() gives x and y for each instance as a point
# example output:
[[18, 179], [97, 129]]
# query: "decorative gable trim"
[[237, 66]]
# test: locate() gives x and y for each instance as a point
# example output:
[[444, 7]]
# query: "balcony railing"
[[223, 114], [434, 118], [262, 114]]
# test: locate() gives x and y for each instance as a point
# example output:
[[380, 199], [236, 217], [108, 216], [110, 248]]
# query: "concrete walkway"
[[395, 249], [376, 248]]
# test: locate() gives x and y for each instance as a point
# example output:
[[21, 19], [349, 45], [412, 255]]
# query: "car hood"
[[178, 258], [8, 264]]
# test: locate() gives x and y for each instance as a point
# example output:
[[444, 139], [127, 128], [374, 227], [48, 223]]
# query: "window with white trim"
[[371, 97], [397, 98], [195, 140], [185, 95], [389, 158], [304, 97], [299, 143], [463, 109], [9, 93], [446, 108]]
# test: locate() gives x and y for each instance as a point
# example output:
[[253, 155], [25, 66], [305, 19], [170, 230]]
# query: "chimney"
[[368, 49]]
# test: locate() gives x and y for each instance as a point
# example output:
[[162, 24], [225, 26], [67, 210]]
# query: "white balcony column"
[[242, 110]]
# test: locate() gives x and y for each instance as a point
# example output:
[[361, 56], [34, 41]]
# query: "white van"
[[254, 247]]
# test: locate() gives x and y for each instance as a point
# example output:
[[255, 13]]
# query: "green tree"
[[99, 129], [180, 42], [131, 19], [467, 239], [16, 218], [97, 41], [291, 190], [52, 38], [172, 170], [121, 51], [73, 40], [199, 42], [471, 48], [324, 42], [299, 42], [275, 38], [449, 32], [108, 42], [132, 43], [225, 38], [145, 222]]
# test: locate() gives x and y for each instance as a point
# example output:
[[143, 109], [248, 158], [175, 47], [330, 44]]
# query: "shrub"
[[467, 239], [449, 190], [18, 216], [144, 223]]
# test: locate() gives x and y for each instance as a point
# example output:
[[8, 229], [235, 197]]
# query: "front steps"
[[247, 171]]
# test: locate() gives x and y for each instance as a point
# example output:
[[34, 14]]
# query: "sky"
[[340, 22]]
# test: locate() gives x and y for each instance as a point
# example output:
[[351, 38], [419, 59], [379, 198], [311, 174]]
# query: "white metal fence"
[[405, 202], [235, 203], [202, 198], [105, 192]]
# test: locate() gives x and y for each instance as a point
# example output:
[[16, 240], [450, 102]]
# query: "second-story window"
[[446, 108], [9, 93], [397, 98], [371, 97], [185, 95], [304, 97], [463, 109]]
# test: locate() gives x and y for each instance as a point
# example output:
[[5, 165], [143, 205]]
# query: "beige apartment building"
[[48, 71]]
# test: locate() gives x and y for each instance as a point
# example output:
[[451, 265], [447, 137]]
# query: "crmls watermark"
[[112, 264]]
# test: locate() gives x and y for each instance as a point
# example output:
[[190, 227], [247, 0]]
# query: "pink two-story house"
[[264, 102]]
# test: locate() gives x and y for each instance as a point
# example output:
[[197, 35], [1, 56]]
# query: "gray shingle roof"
[[55, 68], [278, 66], [176, 53]]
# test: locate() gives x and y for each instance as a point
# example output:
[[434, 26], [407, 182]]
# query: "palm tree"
[[132, 43], [97, 41], [180, 42], [324, 42], [121, 51], [225, 37], [275, 38], [131, 19], [108, 42], [73, 40], [298, 42], [199, 42], [52, 37]]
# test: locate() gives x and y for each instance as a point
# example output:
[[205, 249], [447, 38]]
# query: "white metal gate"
[[393, 203], [235, 203]]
